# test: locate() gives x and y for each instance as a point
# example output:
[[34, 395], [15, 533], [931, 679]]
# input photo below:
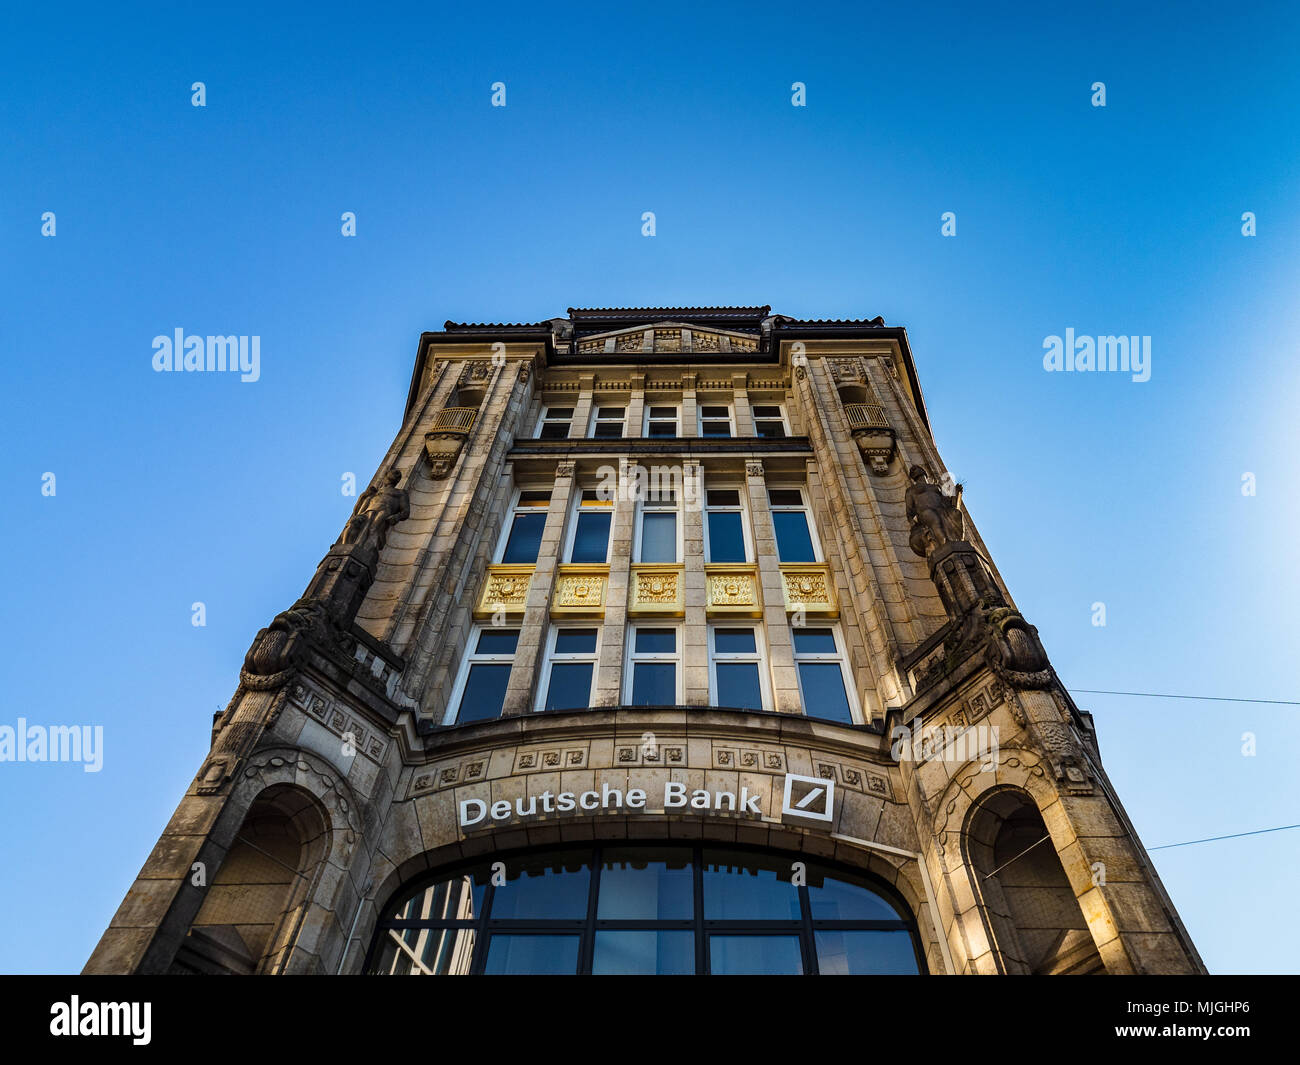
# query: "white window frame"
[[804, 506], [470, 657], [646, 419], [546, 419], [596, 506], [840, 658], [758, 656], [659, 507], [753, 417], [596, 408], [633, 657], [746, 532], [516, 508], [700, 418], [552, 657]]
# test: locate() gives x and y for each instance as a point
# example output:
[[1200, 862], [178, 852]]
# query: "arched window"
[[646, 909]]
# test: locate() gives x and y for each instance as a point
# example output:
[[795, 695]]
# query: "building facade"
[[661, 642]]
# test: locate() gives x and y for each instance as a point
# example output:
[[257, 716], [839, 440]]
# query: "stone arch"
[[285, 837], [1028, 905]]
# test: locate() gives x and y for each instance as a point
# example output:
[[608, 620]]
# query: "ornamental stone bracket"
[[505, 591], [809, 589], [732, 589], [443, 444], [657, 590], [580, 591]]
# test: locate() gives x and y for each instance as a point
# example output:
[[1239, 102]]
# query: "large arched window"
[[638, 909]]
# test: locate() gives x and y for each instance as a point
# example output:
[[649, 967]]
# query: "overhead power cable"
[[1212, 839], [1204, 698]]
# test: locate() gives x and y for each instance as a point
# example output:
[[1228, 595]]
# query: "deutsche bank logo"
[[810, 797]]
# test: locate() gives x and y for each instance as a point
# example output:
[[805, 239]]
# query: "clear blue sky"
[[173, 488]]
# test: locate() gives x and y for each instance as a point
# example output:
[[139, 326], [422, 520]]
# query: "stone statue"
[[376, 512], [935, 517]]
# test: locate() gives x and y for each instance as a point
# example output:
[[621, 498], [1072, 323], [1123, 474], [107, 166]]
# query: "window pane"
[[734, 641], [497, 642], [663, 429], [726, 537], [748, 887], [437, 952], [532, 955], [575, 641], [559, 412], [793, 540], [549, 888], [459, 898], [823, 691], [766, 410], [659, 538], [644, 954], [656, 641], [774, 429], [485, 693], [646, 885], [591, 538], [654, 684], [785, 497], [738, 685], [525, 538], [755, 956], [723, 497], [814, 642], [609, 412], [534, 499], [570, 686], [663, 412], [718, 429], [555, 431], [838, 900], [715, 412], [854, 953], [608, 429]]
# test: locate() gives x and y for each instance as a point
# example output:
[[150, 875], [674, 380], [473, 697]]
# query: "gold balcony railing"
[[455, 420], [866, 416]]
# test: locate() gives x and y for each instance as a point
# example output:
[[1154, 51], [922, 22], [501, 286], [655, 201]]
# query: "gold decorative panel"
[[733, 589], [657, 589], [505, 589], [580, 590], [809, 588]]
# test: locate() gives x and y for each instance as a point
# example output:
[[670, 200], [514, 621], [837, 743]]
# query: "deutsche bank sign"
[[812, 798]]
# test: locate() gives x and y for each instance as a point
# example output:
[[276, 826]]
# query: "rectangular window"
[[736, 667], [480, 691], [569, 669], [657, 540], [715, 420], [554, 423], [820, 663], [589, 533], [793, 525], [653, 673], [661, 421], [769, 420], [726, 533], [522, 537], [608, 422]]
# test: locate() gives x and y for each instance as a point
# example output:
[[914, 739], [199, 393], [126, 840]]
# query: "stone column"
[[609, 667], [582, 407], [689, 424], [695, 652], [780, 645], [521, 691], [636, 406], [740, 400]]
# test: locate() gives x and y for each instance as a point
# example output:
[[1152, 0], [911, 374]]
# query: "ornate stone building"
[[661, 643]]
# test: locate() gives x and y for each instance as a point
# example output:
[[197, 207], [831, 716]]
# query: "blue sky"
[[1126, 219]]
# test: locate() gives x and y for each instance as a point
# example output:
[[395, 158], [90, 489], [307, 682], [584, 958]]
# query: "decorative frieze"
[[732, 589], [580, 590], [809, 589], [657, 589], [339, 718], [505, 590]]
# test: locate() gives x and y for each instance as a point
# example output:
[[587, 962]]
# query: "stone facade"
[[338, 770]]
